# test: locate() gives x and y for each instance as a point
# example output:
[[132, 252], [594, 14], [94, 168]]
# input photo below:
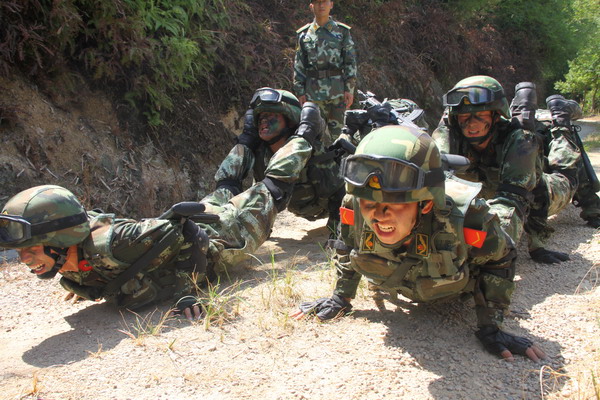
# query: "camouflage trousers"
[[555, 189], [585, 197], [245, 222], [332, 111]]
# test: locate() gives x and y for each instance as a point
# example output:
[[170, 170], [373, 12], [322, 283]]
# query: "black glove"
[[496, 341], [249, 135], [327, 308], [544, 256], [379, 115], [594, 222], [311, 125]]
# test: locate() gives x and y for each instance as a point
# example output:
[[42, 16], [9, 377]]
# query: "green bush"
[[148, 49]]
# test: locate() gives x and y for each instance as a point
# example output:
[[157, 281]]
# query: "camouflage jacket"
[[314, 175], [508, 168], [452, 251], [113, 245], [324, 48]]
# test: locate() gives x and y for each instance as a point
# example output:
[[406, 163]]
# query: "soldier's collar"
[[329, 25]]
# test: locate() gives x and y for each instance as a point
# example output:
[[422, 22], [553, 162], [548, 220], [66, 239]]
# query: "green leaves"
[[149, 48]]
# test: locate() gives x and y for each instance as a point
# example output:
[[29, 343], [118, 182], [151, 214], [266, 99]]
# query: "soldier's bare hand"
[[298, 315], [535, 353], [348, 99], [302, 99], [72, 298], [193, 313]]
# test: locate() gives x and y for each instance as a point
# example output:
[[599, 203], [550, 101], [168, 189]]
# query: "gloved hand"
[[249, 135], [544, 256], [327, 308], [379, 115], [311, 125], [496, 341], [594, 222]]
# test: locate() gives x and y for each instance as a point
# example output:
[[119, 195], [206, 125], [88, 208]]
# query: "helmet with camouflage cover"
[[43, 215], [276, 101], [396, 164], [477, 93]]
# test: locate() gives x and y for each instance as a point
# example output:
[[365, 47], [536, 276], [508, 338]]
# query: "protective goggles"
[[15, 229], [472, 94], [270, 96], [388, 174]]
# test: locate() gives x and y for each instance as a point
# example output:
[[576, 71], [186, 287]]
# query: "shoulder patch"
[[305, 27], [474, 237], [344, 25], [347, 216]]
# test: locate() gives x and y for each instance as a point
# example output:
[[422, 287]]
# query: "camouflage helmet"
[[276, 101], [396, 164], [49, 215], [477, 93]]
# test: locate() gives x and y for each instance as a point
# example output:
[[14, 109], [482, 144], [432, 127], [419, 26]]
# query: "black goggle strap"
[[58, 224], [430, 178]]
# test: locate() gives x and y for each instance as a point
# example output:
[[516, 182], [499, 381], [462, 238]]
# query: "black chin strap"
[[59, 256]]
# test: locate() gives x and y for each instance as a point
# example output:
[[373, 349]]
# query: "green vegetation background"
[[148, 52]]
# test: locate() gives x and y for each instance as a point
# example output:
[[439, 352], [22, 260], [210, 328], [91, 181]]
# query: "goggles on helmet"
[[15, 229], [388, 174], [472, 94], [270, 96]]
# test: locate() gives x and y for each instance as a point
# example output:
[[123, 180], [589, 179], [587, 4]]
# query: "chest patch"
[[422, 245], [368, 241]]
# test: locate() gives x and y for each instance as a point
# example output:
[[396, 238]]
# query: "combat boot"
[[524, 105], [563, 111]]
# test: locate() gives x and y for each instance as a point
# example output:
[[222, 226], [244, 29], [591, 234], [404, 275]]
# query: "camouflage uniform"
[[507, 168], [442, 260], [105, 247], [455, 246], [585, 197], [512, 166], [312, 173], [325, 68]]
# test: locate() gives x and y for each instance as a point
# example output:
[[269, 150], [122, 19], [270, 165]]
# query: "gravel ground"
[[51, 349]]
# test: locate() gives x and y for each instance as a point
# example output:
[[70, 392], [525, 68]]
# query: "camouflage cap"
[[286, 103], [50, 204], [396, 164], [494, 101]]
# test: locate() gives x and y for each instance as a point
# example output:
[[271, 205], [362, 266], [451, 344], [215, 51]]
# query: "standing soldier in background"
[[325, 66]]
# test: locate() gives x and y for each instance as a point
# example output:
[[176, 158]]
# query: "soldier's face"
[[391, 222], [476, 124], [321, 8], [35, 258], [270, 125]]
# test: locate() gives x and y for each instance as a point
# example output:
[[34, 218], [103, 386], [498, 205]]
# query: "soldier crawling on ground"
[[412, 229], [505, 158], [136, 263], [298, 163]]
